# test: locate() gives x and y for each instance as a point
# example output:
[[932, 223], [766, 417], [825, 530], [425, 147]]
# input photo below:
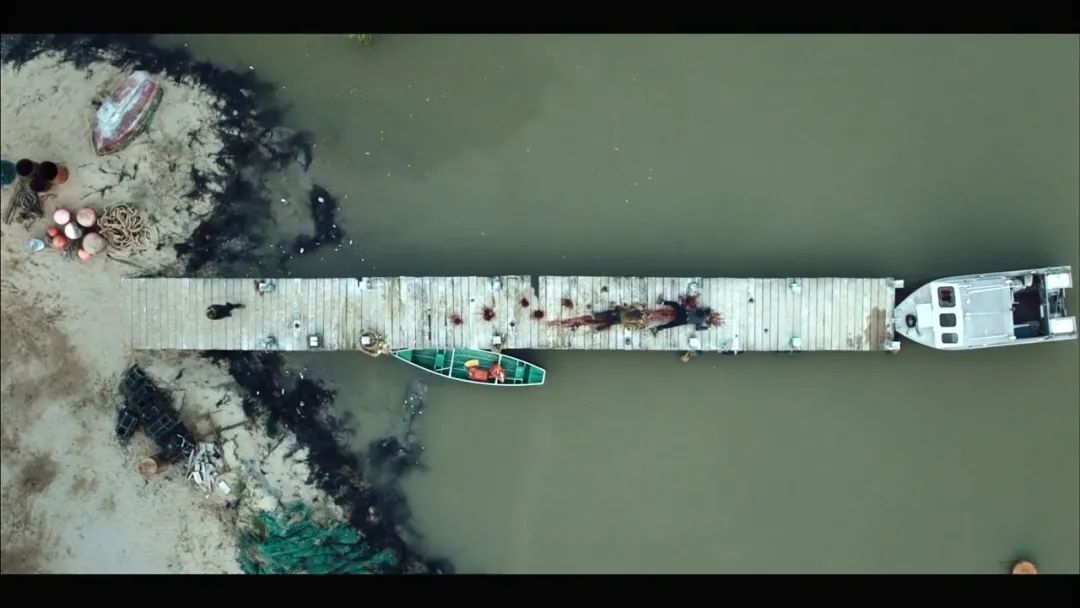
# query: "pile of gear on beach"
[[150, 408], [123, 112], [82, 233], [30, 183]]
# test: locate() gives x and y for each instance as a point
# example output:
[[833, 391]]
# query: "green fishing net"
[[289, 541]]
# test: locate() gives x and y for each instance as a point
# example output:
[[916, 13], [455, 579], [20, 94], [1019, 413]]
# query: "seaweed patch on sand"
[[365, 486]]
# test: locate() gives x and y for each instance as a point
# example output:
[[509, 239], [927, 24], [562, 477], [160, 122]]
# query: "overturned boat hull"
[[987, 310], [125, 113]]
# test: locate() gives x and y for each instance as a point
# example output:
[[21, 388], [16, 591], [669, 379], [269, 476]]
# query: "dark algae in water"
[[364, 486]]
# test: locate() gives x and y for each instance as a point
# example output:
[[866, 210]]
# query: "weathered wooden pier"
[[509, 312]]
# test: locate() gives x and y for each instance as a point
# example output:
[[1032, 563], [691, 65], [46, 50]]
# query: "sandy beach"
[[73, 497]]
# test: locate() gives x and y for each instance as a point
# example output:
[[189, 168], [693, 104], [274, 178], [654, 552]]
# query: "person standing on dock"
[[220, 311]]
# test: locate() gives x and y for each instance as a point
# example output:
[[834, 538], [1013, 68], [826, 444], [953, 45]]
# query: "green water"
[[906, 156]]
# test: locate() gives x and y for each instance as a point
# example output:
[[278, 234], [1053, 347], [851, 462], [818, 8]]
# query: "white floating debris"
[[301, 250], [284, 201], [350, 241], [224, 486], [322, 200], [367, 153], [616, 148]]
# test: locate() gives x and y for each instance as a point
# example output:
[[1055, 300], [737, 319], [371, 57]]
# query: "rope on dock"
[[373, 344]]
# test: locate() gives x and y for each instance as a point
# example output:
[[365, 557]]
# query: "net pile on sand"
[[24, 203], [292, 542], [123, 227]]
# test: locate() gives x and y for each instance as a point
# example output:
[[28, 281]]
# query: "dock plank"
[[876, 304], [210, 295], [787, 315], [827, 334], [783, 321], [848, 318]]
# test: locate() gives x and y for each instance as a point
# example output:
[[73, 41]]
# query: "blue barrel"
[[7, 172]]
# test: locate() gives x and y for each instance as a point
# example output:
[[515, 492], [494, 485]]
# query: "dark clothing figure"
[[699, 317], [220, 311], [606, 319]]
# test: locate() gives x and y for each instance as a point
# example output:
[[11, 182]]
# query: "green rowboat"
[[454, 363]]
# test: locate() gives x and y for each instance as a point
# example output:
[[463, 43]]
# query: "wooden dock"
[[777, 314]]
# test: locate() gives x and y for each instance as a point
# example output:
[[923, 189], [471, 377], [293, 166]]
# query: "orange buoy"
[[60, 241], [52, 231], [1024, 566], [83, 254], [479, 374]]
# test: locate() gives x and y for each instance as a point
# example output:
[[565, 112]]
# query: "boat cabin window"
[[946, 297], [948, 319], [950, 338]]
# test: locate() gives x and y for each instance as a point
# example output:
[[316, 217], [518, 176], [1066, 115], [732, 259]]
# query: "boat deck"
[[774, 314]]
